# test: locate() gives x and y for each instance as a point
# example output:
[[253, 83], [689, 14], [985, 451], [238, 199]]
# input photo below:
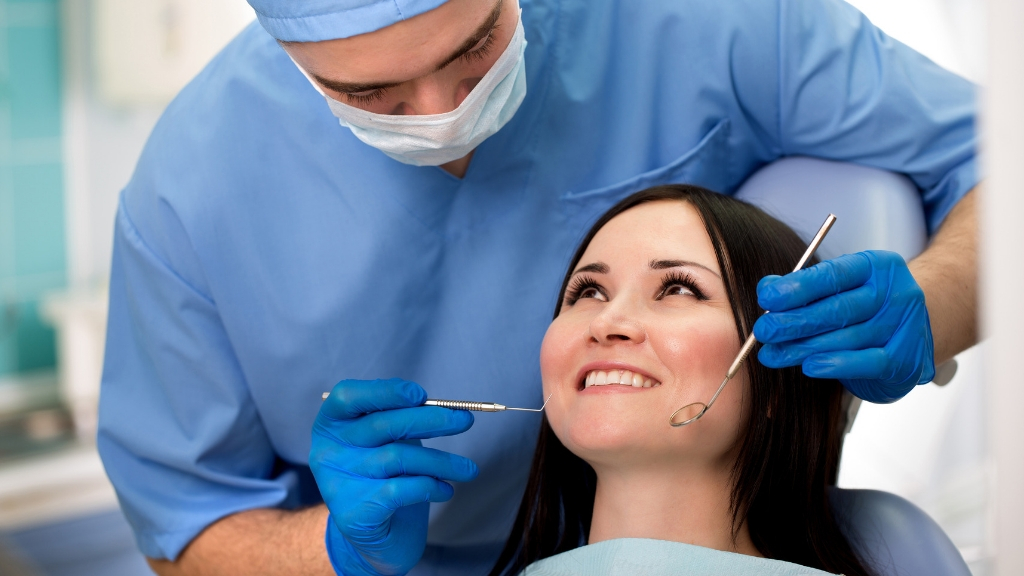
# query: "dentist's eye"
[[583, 287], [677, 284], [482, 47], [368, 97]]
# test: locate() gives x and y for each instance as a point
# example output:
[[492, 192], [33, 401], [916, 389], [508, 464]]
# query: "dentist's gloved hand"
[[859, 318], [376, 478]]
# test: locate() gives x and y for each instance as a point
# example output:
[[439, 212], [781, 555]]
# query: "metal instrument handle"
[[466, 405]]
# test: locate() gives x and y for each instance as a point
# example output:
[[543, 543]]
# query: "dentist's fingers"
[[380, 428], [860, 364], [793, 353], [780, 293], [399, 459], [353, 398], [832, 313], [384, 499]]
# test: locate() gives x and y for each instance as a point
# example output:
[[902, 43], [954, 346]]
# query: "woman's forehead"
[[661, 230]]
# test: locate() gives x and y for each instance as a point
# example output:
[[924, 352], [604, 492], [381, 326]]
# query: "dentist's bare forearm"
[[947, 271], [256, 542]]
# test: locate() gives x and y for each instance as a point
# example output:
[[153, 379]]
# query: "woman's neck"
[[678, 505]]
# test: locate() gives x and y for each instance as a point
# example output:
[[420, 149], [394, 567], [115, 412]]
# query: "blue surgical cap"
[[315, 20]]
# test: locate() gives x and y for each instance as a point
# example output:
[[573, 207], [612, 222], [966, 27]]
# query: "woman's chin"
[[607, 433], [625, 429]]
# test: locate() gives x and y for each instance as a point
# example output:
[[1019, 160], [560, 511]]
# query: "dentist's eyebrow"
[[481, 32], [349, 87], [596, 267], [666, 264]]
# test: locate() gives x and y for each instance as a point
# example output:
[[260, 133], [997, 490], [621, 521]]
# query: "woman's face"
[[646, 312]]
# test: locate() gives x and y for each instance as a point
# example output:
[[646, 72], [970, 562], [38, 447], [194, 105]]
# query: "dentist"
[[264, 254]]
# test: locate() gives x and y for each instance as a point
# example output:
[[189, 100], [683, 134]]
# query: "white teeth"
[[621, 377]]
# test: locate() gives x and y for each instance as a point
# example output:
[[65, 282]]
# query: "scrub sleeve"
[[180, 437], [846, 91]]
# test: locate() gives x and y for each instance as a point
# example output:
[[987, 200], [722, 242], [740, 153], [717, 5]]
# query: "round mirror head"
[[687, 414]]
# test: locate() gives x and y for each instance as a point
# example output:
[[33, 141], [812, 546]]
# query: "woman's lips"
[[617, 377]]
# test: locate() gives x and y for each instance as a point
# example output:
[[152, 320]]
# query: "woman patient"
[[656, 303]]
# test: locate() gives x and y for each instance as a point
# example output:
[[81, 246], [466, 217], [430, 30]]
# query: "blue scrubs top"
[[263, 253]]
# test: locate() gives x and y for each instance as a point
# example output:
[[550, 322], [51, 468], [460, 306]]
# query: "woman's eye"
[[677, 284], [583, 287], [677, 290]]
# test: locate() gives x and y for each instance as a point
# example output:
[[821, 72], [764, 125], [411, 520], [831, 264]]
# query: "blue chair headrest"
[[875, 209], [894, 537]]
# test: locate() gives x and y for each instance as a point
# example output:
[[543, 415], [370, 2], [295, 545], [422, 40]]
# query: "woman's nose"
[[613, 326]]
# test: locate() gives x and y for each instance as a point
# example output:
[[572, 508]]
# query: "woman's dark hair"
[[789, 454]]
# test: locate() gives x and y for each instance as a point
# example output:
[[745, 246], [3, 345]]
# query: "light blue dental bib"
[[632, 556]]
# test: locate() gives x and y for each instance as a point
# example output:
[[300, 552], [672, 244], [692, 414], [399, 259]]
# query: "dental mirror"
[[696, 410]]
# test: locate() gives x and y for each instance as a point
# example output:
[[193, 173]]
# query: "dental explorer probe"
[[698, 409], [473, 406]]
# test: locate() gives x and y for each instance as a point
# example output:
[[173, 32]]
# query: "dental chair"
[[880, 210]]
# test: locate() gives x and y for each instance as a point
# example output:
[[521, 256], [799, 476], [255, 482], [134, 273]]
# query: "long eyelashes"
[[580, 286], [583, 286], [482, 51], [676, 278], [375, 96], [472, 55]]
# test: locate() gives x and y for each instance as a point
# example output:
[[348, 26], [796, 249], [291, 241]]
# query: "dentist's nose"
[[613, 326], [438, 93]]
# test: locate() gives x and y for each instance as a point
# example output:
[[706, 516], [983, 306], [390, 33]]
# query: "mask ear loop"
[[748, 345]]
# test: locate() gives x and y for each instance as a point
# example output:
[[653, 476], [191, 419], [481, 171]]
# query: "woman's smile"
[[598, 377]]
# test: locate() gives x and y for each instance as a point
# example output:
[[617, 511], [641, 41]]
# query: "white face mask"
[[435, 139]]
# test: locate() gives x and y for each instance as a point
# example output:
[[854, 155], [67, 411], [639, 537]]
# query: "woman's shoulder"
[[630, 556]]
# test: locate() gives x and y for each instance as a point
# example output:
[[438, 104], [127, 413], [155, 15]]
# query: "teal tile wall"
[[32, 253]]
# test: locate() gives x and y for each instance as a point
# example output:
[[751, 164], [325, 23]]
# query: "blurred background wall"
[[82, 82], [32, 234]]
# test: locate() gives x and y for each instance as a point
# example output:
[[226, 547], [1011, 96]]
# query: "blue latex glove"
[[859, 318], [376, 478]]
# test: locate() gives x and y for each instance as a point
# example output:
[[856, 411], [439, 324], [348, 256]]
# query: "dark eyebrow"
[[596, 267], [481, 32], [350, 87], [665, 264]]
